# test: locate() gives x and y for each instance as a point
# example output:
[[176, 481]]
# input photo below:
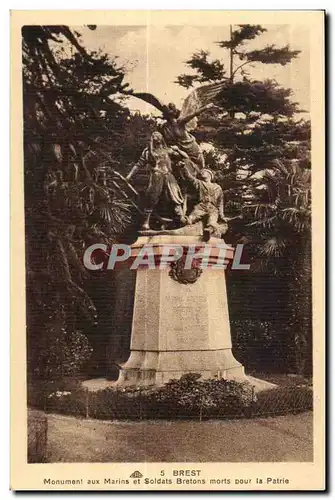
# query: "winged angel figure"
[[179, 123]]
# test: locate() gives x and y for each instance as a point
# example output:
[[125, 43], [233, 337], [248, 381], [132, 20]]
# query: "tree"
[[254, 122], [281, 215], [73, 135], [255, 125]]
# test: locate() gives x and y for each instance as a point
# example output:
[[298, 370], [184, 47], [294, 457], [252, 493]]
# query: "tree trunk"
[[231, 65]]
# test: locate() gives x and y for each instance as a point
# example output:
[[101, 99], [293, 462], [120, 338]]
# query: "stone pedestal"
[[179, 328]]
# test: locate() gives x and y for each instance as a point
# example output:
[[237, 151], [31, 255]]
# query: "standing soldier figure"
[[210, 206], [162, 183]]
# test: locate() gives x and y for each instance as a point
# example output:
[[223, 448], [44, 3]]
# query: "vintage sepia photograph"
[[167, 249]]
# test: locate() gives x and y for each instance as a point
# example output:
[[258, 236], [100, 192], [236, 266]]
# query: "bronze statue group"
[[180, 185]]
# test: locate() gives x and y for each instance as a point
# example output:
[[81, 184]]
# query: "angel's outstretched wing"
[[198, 98], [149, 98]]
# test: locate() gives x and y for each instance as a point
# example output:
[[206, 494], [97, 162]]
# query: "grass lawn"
[[280, 439]]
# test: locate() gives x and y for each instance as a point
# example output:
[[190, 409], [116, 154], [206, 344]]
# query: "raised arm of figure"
[[189, 177], [176, 151], [139, 164], [198, 112], [220, 206]]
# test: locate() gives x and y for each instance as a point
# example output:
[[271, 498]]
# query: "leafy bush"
[[256, 345], [283, 400], [62, 353], [40, 392], [65, 396], [188, 397], [68, 403], [110, 404]]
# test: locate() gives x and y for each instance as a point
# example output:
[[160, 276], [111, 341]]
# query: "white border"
[[4, 184]]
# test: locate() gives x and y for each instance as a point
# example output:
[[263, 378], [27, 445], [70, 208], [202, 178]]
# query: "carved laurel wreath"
[[182, 275]]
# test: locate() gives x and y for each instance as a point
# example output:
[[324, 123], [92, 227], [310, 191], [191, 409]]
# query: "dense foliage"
[[261, 152], [189, 397], [76, 133]]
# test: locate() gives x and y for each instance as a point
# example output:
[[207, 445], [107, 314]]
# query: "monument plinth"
[[179, 314], [180, 318]]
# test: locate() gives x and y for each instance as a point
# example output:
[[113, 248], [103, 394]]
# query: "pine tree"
[[255, 121], [254, 126]]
